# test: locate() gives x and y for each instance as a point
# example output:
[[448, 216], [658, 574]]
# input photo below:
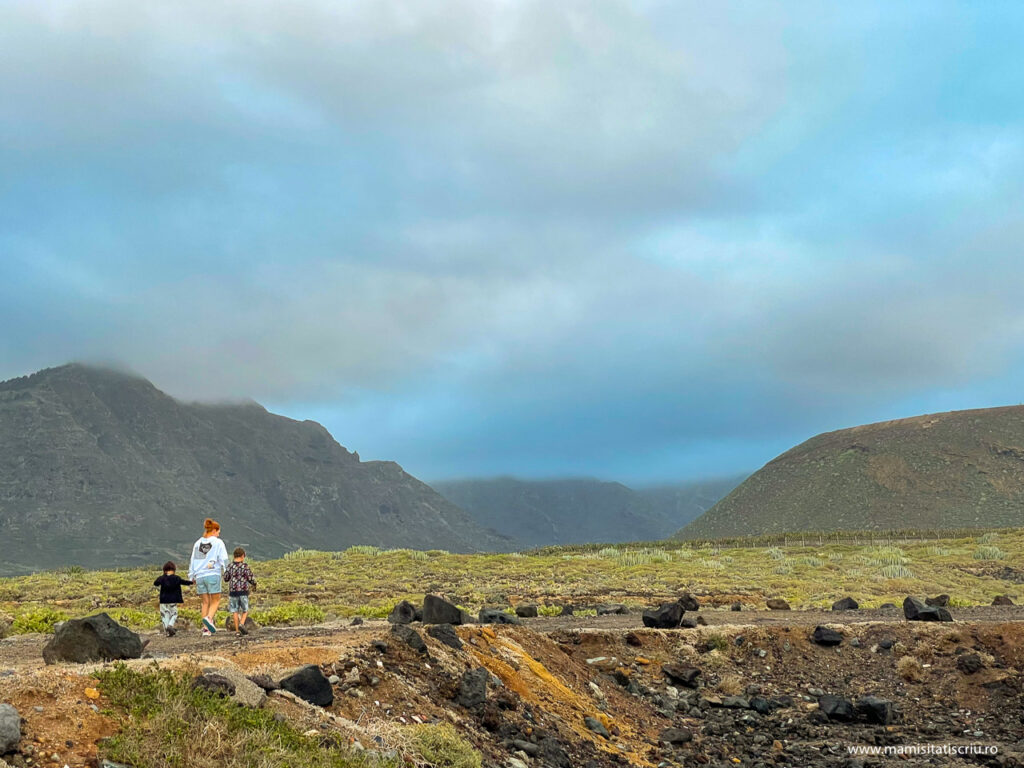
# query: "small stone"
[[596, 726]]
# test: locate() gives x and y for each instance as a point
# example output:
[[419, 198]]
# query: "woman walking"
[[209, 558]]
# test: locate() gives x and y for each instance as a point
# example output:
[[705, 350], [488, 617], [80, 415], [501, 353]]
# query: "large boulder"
[[496, 616], [409, 636], [666, 616], [776, 604], [437, 610], [939, 601], [680, 675], [689, 602], [915, 610], [875, 710], [473, 688], [835, 708], [845, 604], [94, 638], [446, 634], [10, 728], [403, 613], [310, 685], [527, 611], [825, 636], [675, 736]]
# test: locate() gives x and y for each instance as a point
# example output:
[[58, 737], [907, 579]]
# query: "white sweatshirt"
[[209, 558]]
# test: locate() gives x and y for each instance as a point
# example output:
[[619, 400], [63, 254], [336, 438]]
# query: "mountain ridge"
[[581, 510], [97, 463]]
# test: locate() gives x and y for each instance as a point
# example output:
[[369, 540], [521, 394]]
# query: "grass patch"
[[165, 723], [989, 552], [442, 747], [37, 620]]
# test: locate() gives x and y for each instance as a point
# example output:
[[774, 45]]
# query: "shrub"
[[937, 551], [814, 562], [988, 538], [442, 747], [37, 620], [776, 554], [782, 570], [987, 552], [880, 556], [731, 685], [897, 572], [550, 610], [288, 613], [716, 643], [910, 669], [363, 549]]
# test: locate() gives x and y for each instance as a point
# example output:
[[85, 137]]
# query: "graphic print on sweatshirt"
[[205, 547]]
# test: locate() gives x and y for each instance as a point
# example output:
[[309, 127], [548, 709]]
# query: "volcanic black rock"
[[310, 685], [666, 616], [437, 610], [845, 604], [94, 638]]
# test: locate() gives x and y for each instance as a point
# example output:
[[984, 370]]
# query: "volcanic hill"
[[944, 470], [100, 468]]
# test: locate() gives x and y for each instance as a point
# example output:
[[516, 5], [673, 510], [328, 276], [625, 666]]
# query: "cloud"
[[639, 239]]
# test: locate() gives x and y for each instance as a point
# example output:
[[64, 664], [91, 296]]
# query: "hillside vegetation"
[[100, 468], [311, 586], [946, 470]]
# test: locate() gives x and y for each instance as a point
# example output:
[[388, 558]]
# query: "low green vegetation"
[[309, 586], [441, 747], [166, 723]]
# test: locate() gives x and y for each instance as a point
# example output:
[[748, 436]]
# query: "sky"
[[642, 241]]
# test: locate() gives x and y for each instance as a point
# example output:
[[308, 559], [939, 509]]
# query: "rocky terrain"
[[757, 688], [99, 467], [945, 470], [541, 513]]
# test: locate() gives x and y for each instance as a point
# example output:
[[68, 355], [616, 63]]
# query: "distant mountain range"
[[945, 470], [581, 510], [100, 468]]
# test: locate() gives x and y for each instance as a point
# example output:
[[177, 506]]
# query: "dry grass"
[[910, 669], [731, 685]]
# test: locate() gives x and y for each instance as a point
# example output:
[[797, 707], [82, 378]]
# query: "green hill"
[[946, 470]]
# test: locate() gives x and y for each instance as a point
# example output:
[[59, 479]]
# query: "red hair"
[[210, 525]]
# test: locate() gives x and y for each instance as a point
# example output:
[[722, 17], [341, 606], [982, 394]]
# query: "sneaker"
[[171, 631], [209, 626], [206, 632], [242, 630]]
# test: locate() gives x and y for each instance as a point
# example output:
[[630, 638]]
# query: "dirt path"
[[26, 651]]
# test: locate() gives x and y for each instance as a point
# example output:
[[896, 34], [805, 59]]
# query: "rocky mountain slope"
[[100, 468], [946, 470], [581, 510]]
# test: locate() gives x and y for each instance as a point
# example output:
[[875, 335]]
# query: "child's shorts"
[[238, 604], [208, 585]]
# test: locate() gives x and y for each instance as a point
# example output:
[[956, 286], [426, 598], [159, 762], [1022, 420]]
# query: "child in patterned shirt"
[[240, 581]]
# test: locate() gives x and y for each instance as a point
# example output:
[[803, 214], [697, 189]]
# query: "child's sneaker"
[[242, 630], [171, 631], [209, 626], [206, 632]]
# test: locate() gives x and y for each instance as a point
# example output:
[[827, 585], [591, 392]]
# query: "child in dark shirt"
[[170, 596]]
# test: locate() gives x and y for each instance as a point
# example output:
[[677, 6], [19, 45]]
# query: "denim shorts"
[[208, 585], [238, 604]]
